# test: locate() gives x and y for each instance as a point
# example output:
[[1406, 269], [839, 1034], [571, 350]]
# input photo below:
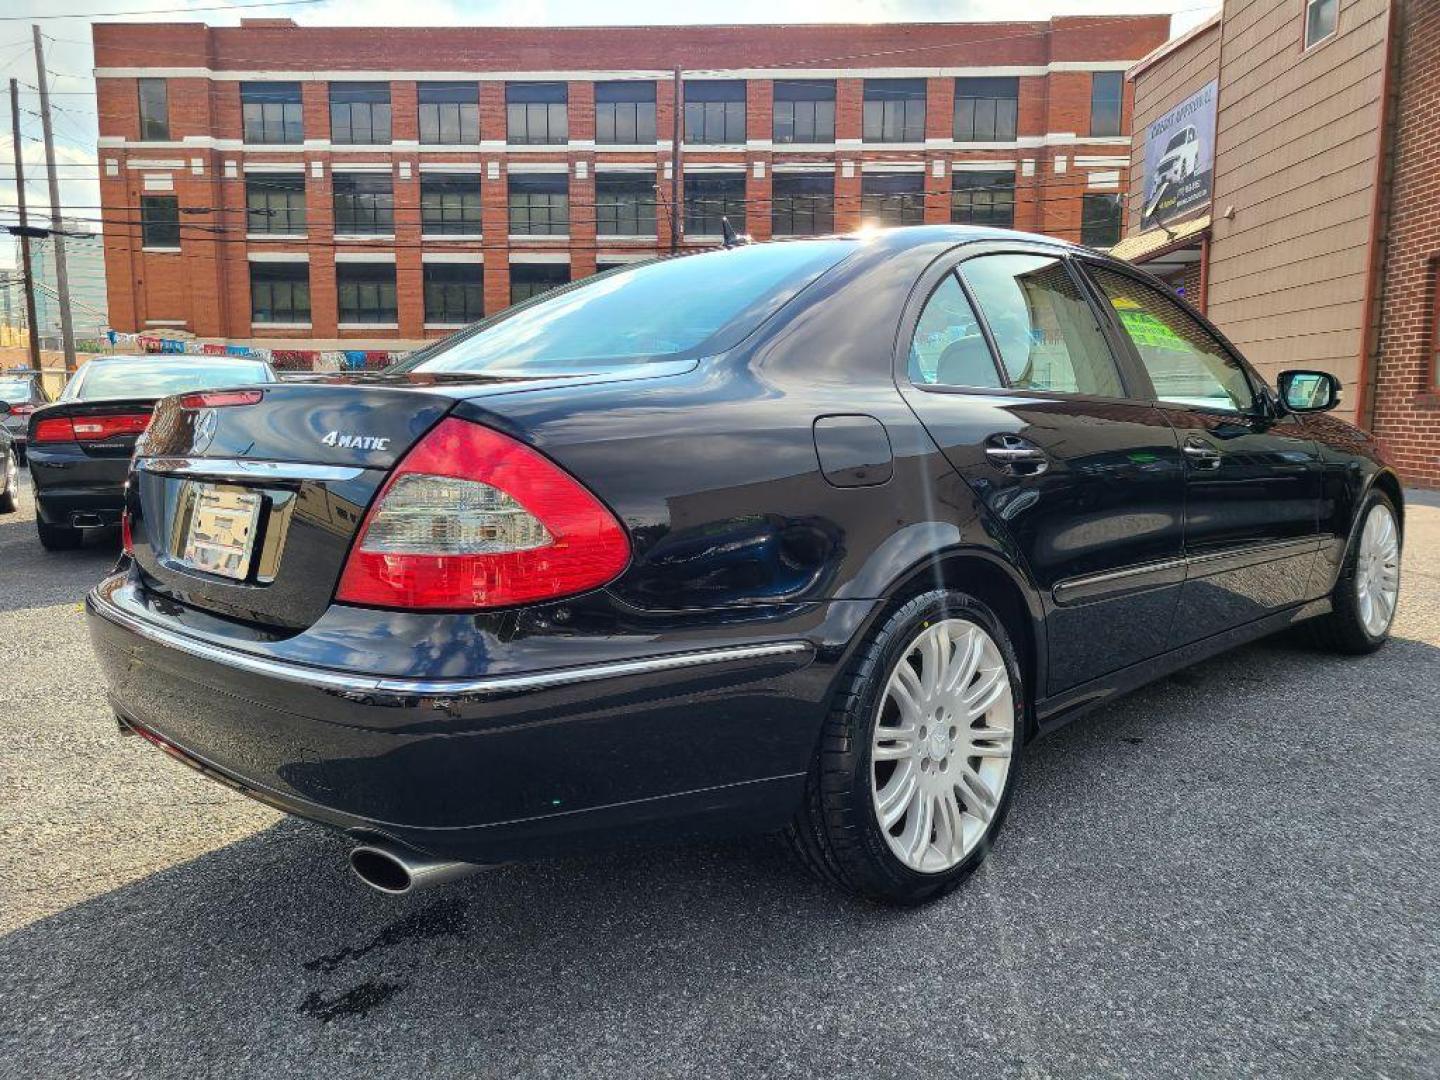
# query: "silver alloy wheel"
[[940, 753], [1377, 570]]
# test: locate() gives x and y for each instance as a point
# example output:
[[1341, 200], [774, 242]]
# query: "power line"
[[155, 11]]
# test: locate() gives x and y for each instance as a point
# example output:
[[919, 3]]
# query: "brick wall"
[[1406, 409], [205, 286]]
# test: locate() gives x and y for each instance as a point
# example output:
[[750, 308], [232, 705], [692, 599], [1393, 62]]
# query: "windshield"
[[142, 380], [14, 390], [1175, 143], [669, 310]]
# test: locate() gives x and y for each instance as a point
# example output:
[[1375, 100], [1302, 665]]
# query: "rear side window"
[[674, 309], [1186, 364], [948, 348], [1042, 325]]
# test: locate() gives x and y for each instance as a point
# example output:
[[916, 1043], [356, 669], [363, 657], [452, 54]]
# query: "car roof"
[[912, 236]]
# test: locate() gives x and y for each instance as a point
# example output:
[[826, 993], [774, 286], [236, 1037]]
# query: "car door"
[[1014, 372], [1252, 488]]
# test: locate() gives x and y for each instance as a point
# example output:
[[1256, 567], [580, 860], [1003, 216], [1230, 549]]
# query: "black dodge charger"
[[810, 536]]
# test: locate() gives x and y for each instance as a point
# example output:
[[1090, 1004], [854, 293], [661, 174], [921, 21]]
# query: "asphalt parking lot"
[[1235, 872]]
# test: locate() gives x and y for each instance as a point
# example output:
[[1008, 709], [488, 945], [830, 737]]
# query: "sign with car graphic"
[[1180, 160]]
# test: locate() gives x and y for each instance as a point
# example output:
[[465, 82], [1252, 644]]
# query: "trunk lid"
[[104, 429]]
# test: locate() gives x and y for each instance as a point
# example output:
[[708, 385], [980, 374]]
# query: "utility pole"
[[62, 278], [33, 332], [677, 219]]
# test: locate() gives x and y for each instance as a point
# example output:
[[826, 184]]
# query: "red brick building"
[[280, 183]]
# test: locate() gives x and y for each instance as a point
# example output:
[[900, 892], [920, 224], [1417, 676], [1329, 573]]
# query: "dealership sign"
[[1180, 160]]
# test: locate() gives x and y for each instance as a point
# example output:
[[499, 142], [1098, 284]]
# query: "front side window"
[[449, 113], [1101, 219], [983, 198], [948, 348], [894, 110], [536, 113], [986, 109], [539, 204], [893, 199], [1042, 325], [364, 204], [715, 111], [360, 113], [449, 205], [154, 110], [1185, 362], [279, 292], [159, 221], [625, 112], [624, 205], [1322, 17], [529, 280], [804, 111], [710, 198], [802, 204], [271, 112], [454, 293], [275, 203], [1107, 89], [366, 292]]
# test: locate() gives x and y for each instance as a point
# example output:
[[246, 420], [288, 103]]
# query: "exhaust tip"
[[381, 870]]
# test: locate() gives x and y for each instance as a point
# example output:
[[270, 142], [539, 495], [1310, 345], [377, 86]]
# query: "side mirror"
[[1308, 391]]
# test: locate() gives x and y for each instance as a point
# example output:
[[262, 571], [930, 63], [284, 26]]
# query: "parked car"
[[9, 464], [80, 446], [812, 536], [23, 391], [1180, 159]]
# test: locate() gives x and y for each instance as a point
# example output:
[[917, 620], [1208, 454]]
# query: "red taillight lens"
[[22, 410], [219, 399], [472, 519], [96, 428], [127, 541], [57, 430]]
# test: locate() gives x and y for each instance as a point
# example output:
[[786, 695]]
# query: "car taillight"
[[127, 540], [95, 428], [219, 399], [22, 410], [54, 431], [473, 519]]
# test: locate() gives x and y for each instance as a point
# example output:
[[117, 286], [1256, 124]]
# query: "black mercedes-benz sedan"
[[79, 452], [810, 536]]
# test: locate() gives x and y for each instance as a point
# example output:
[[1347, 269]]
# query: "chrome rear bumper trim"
[[242, 469], [361, 685]]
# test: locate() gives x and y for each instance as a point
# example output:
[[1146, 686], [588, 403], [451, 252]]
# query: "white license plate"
[[223, 522]]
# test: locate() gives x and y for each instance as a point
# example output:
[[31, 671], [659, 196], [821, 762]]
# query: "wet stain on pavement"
[[447, 917], [357, 1001]]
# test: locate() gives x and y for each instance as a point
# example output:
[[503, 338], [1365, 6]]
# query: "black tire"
[[1343, 630], [836, 833], [58, 537], [8, 504]]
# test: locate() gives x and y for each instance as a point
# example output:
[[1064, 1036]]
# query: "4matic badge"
[[356, 442]]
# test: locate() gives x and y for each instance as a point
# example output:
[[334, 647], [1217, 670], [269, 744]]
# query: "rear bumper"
[[490, 768], [67, 482]]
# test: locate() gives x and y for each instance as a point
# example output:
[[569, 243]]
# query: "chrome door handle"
[[1017, 455], [1201, 454]]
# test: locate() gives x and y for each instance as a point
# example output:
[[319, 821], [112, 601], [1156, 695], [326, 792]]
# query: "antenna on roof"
[[729, 237]]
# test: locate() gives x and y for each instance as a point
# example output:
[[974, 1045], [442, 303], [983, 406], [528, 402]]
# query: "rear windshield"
[[13, 390], [675, 309], [124, 380]]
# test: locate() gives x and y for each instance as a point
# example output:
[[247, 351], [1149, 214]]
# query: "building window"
[[889, 199], [624, 112], [986, 110], [279, 292], [366, 292], [360, 113], [715, 112], [539, 204], [804, 111], [454, 293], [624, 205], [1107, 90], [450, 205], [275, 203], [1100, 220], [271, 112], [535, 113], [894, 110], [159, 221], [154, 110], [802, 204], [1321, 19], [532, 279], [449, 113], [708, 198], [983, 198], [364, 204]]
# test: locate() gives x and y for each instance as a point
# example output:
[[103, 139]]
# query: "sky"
[[68, 55]]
